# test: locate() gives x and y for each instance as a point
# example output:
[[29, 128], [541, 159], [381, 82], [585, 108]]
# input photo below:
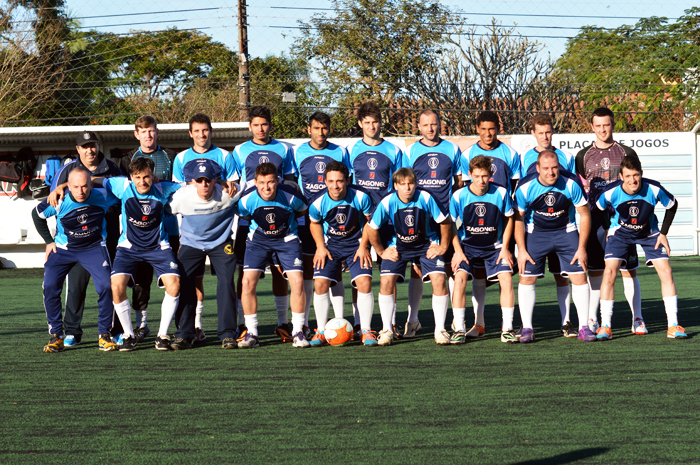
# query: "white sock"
[[508, 314], [167, 311], [309, 292], [606, 312], [322, 304], [282, 303], [393, 314], [365, 305], [123, 311], [526, 301], [251, 323], [386, 309], [581, 295], [142, 318], [671, 305], [479, 300], [594, 283], [459, 314], [440, 303], [451, 286], [633, 293], [241, 316], [297, 322], [338, 299], [198, 314], [563, 297], [415, 294]]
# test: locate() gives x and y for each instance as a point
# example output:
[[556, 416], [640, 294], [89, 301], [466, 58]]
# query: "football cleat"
[[71, 341], [586, 335], [249, 341], [676, 332], [284, 332], [509, 336], [181, 343], [593, 325], [356, 332], [55, 344], [163, 342], [604, 333], [568, 330], [442, 337], [638, 327], [368, 338], [386, 337], [397, 333], [141, 333], [242, 330], [128, 344], [118, 339], [459, 337], [229, 343], [299, 340], [318, 340], [307, 332], [199, 335], [476, 331], [527, 335], [106, 344], [412, 329]]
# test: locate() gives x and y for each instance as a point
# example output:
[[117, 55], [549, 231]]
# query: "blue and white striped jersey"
[[549, 208], [481, 216], [435, 167]]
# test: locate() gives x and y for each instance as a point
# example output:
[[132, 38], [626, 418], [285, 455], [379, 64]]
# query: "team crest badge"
[[372, 163], [605, 163], [433, 162], [146, 209], [494, 168], [480, 210], [83, 218], [439, 263], [410, 220], [263, 159], [86, 135], [549, 200], [341, 218], [320, 167], [270, 218], [202, 168], [634, 211]]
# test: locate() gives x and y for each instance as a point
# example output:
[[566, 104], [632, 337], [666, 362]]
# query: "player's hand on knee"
[[50, 248], [662, 240], [435, 250], [390, 254], [457, 260], [523, 258], [365, 257], [582, 257], [320, 258], [506, 255]]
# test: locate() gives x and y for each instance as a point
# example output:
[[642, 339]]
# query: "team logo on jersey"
[[410, 220], [605, 163], [83, 218], [372, 163], [263, 159], [320, 167], [341, 218], [270, 218], [549, 200], [494, 168], [433, 162], [634, 211], [146, 209], [480, 210]]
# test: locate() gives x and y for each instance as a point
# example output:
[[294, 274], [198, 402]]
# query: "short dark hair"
[[337, 166], [480, 162], [260, 111], [200, 118], [603, 111], [265, 169], [145, 121], [141, 164], [321, 118], [490, 116], [631, 163], [541, 120], [427, 112], [369, 109], [403, 173], [546, 153]]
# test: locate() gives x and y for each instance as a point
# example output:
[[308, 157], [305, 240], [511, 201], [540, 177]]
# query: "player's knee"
[[364, 285], [321, 286]]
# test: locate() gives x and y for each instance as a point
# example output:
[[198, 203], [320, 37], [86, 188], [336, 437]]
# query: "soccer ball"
[[338, 331]]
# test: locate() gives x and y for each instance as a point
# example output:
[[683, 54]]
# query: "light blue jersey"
[[528, 162], [272, 219], [549, 208], [435, 167], [374, 165], [249, 155], [206, 224], [142, 214], [342, 220], [222, 157], [481, 216], [505, 163], [311, 164]]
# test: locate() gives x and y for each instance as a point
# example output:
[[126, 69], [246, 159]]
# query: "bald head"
[[79, 184]]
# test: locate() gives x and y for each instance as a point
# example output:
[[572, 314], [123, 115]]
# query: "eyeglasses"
[[204, 181]]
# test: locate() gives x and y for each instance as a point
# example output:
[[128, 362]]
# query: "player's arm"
[[459, 255], [42, 228], [363, 253], [505, 254], [57, 194], [523, 256], [321, 251], [665, 226], [584, 230], [436, 250]]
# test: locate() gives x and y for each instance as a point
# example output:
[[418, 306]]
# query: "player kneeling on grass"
[[337, 220], [414, 241], [81, 236], [272, 209], [547, 204], [143, 239], [481, 246], [633, 199]]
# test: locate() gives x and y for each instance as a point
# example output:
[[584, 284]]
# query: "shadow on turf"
[[569, 457]]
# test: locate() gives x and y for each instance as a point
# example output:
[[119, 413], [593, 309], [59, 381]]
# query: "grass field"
[[630, 400]]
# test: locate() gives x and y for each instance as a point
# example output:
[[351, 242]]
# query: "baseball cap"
[[86, 137], [201, 168]]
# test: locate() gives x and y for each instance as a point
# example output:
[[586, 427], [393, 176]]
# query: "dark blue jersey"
[[249, 155], [272, 219], [374, 165], [435, 167], [311, 166], [549, 208], [481, 216]]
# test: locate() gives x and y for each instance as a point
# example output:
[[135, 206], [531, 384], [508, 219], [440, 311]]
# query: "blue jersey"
[[220, 156], [205, 223], [79, 225], [549, 208], [374, 165], [249, 155], [634, 214], [505, 163], [342, 220], [481, 216], [411, 220], [310, 164], [142, 214], [528, 162], [272, 219], [435, 167]]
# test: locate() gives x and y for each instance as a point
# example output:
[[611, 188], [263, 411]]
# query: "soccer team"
[[311, 212]]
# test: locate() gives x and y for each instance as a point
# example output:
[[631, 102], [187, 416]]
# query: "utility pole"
[[243, 77]]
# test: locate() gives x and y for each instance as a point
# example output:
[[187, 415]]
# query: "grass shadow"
[[569, 457]]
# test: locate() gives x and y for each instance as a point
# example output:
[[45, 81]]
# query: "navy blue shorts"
[[308, 244], [541, 244], [596, 246], [285, 254], [487, 259], [618, 248], [332, 268], [163, 262], [428, 265]]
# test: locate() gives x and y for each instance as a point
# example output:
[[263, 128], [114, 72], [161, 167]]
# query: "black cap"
[[86, 137]]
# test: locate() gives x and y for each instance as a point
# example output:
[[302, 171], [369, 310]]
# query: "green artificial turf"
[[630, 400]]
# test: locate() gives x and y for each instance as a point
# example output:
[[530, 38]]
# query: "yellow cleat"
[[54, 345], [106, 343]]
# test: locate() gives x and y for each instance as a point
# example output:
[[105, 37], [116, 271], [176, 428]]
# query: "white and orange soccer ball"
[[338, 331]]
